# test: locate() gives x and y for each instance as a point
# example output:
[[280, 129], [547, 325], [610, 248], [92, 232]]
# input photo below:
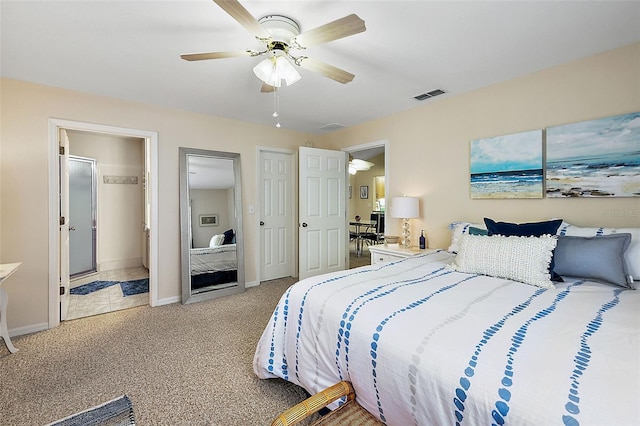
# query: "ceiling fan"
[[280, 35]]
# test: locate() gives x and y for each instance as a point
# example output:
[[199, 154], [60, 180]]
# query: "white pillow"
[[631, 256], [523, 259], [458, 229], [216, 240]]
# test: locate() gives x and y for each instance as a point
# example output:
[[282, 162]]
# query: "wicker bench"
[[350, 413]]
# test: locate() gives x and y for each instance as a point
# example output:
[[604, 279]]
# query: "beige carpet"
[[179, 364]]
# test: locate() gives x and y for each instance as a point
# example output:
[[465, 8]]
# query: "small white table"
[[381, 253], [6, 269]]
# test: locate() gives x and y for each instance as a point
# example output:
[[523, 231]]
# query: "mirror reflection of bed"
[[211, 224]]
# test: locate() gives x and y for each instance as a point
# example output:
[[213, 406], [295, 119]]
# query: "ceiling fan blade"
[[266, 88], [327, 70], [344, 27], [213, 55], [244, 18]]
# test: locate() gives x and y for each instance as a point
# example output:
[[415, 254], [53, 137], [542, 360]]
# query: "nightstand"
[[383, 254]]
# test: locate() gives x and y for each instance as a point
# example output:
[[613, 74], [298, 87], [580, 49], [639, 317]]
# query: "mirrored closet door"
[[211, 224]]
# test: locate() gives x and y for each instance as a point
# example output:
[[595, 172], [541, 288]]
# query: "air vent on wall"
[[331, 127], [428, 95]]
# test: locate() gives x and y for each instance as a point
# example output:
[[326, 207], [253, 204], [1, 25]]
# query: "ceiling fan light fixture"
[[275, 69]]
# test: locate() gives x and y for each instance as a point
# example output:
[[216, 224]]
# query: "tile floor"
[[109, 299]]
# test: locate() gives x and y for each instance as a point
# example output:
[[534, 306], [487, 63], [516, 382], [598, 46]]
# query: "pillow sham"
[[458, 229], [228, 236], [535, 229], [632, 255], [216, 240], [523, 259], [477, 231], [599, 258]]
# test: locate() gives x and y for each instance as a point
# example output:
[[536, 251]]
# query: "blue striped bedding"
[[424, 345]]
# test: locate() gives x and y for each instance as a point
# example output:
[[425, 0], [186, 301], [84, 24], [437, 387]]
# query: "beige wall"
[[428, 158], [24, 149], [429, 145]]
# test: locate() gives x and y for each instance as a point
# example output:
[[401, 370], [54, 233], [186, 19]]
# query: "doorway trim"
[[294, 208], [151, 140]]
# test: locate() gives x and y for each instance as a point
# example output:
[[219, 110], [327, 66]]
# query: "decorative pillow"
[[216, 240], [458, 229], [228, 236], [534, 229], [598, 258], [632, 255], [477, 231], [523, 259]]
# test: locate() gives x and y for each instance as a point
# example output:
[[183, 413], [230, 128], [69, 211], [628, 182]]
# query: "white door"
[[322, 211], [63, 159], [276, 215]]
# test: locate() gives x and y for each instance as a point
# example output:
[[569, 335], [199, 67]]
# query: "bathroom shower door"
[[82, 216]]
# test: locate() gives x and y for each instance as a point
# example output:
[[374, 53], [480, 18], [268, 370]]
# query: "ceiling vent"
[[428, 95], [331, 127]]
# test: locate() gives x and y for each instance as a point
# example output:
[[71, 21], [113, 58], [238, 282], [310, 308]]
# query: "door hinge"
[[61, 149], [62, 290], [62, 220]]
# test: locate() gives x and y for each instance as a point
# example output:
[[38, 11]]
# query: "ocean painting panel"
[[596, 158], [507, 166]]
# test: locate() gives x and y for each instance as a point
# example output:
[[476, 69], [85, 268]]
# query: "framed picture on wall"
[[209, 220], [364, 192], [508, 166], [596, 158]]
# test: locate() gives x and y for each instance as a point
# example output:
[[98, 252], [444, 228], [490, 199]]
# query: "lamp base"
[[406, 234]]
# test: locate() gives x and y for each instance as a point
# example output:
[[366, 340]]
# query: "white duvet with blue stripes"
[[423, 345]]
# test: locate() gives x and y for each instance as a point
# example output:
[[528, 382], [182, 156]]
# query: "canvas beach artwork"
[[596, 158], [507, 166]]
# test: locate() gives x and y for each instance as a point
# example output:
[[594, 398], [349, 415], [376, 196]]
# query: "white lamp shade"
[[275, 69], [405, 207]]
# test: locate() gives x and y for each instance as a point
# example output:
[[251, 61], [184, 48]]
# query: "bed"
[[213, 265], [423, 342]]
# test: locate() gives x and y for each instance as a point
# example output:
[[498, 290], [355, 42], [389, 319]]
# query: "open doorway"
[[146, 222], [108, 226], [367, 203]]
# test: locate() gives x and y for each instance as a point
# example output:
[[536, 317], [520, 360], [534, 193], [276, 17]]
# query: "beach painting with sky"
[[507, 166], [596, 158]]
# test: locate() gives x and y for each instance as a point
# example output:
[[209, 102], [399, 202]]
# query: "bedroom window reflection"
[[212, 261]]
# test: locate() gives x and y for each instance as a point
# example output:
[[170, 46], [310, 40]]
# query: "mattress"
[[426, 345]]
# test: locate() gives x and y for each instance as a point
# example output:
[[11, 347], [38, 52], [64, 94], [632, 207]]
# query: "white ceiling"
[[130, 50]]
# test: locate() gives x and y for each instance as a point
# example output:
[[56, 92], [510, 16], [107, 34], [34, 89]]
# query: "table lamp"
[[405, 208]]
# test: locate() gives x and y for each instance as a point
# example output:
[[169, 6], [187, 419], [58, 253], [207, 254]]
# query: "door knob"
[[72, 228], [304, 224], [261, 223]]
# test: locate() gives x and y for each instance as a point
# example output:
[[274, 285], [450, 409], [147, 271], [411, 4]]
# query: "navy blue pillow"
[[533, 229], [228, 236]]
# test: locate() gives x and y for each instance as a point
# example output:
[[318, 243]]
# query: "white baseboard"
[[110, 265], [169, 300], [251, 284], [29, 329]]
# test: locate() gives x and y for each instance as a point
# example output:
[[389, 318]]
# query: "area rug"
[[117, 412], [129, 288]]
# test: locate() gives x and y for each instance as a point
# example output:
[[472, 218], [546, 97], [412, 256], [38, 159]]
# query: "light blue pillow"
[[598, 258]]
